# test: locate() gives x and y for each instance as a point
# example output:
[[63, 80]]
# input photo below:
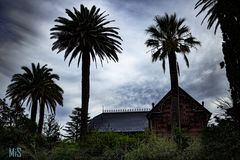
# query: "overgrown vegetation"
[[219, 141]]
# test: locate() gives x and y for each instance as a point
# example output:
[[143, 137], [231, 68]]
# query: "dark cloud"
[[140, 94], [207, 84], [134, 81], [17, 19], [139, 8]]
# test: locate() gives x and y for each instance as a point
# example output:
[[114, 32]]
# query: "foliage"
[[226, 14], [73, 127], [51, 131], [121, 146], [106, 146], [64, 150], [86, 35], [14, 124], [5, 111], [180, 139], [169, 35], [36, 86], [221, 141], [153, 148]]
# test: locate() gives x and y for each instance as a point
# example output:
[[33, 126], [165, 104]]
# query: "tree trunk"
[[175, 117], [85, 93], [231, 52], [34, 110], [41, 118]]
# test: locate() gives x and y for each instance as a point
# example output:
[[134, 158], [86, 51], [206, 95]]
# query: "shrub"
[[221, 141]]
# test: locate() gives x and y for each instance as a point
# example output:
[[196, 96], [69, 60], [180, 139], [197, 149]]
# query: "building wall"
[[193, 116]]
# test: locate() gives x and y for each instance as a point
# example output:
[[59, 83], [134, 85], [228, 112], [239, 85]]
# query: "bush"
[[114, 146], [221, 141], [64, 150], [159, 148], [106, 146]]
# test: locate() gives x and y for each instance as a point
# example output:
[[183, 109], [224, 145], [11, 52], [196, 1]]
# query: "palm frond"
[[35, 85], [169, 35], [186, 60], [86, 31], [178, 70], [213, 11], [163, 65]]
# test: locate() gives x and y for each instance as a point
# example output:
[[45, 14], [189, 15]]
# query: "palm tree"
[[226, 14], [36, 87], [86, 35], [167, 37]]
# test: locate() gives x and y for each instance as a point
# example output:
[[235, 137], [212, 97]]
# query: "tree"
[[51, 130], [36, 87], [73, 127], [167, 37], [85, 35], [4, 114], [226, 14], [11, 115], [221, 140], [13, 125]]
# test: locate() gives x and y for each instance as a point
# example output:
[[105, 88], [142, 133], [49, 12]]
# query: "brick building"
[[193, 117]]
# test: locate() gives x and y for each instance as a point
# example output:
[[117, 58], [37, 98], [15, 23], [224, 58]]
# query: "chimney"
[[203, 103], [152, 105]]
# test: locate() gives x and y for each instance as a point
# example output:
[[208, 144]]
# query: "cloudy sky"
[[133, 82]]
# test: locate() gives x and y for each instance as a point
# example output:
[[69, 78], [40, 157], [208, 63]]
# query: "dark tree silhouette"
[[5, 112], [167, 37], [226, 14], [51, 130], [36, 87], [15, 128], [73, 127], [86, 35]]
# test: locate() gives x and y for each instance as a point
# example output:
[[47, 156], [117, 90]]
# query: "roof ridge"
[[126, 110]]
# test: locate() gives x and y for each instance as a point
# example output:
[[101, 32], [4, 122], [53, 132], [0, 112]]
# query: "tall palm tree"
[[226, 14], [169, 36], [36, 86], [86, 35]]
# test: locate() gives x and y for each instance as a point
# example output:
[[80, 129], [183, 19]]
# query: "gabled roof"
[[168, 94], [120, 122]]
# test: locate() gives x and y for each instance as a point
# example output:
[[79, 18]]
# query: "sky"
[[133, 82]]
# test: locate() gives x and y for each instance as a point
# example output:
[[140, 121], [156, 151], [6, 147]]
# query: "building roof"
[[120, 121], [131, 120], [169, 94]]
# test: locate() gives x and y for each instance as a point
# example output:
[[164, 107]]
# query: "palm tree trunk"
[[85, 93], [41, 118], [34, 110], [175, 117]]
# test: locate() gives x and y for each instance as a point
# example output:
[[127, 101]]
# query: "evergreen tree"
[[11, 115], [4, 113], [73, 127], [51, 130], [15, 128]]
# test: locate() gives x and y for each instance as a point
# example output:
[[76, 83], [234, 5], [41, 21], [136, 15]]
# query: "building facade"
[[193, 117]]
